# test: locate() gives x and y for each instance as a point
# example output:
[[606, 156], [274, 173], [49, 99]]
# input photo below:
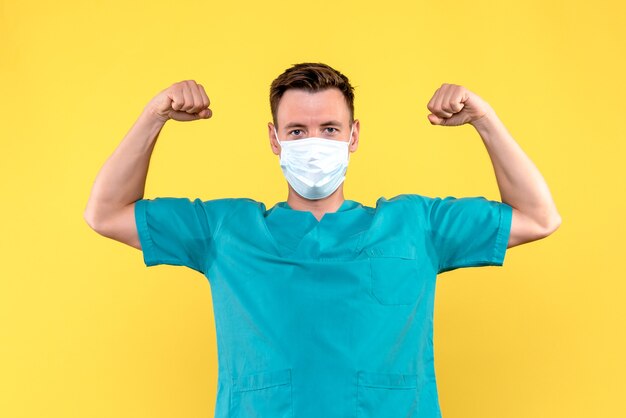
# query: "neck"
[[317, 207]]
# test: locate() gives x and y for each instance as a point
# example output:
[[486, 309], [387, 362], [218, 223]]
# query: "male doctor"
[[323, 306]]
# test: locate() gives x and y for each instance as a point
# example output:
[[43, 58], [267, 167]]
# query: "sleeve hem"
[[504, 231], [147, 246], [499, 248]]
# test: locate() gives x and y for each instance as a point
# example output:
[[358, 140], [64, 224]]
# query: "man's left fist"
[[453, 105]]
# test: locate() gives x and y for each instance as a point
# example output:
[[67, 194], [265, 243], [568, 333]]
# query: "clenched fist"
[[453, 105], [182, 101]]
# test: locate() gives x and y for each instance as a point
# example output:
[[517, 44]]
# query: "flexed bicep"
[[120, 225]]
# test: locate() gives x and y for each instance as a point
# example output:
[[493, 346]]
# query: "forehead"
[[302, 106]]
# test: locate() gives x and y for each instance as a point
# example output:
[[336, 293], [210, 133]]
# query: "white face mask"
[[315, 167]]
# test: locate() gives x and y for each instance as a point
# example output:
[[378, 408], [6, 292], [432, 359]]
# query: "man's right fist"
[[182, 101]]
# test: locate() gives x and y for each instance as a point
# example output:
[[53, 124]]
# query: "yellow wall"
[[86, 330]]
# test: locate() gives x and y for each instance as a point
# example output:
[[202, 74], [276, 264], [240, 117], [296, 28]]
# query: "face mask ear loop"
[[350, 140], [279, 142]]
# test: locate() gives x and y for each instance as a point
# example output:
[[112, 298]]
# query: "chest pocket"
[[395, 275], [265, 394]]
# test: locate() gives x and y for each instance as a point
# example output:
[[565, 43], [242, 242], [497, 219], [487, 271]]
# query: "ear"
[[355, 136], [273, 141]]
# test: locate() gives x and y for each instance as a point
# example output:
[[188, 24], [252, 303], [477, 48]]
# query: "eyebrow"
[[300, 125]]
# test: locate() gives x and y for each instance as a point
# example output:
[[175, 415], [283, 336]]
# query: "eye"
[[333, 130], [295, 132]]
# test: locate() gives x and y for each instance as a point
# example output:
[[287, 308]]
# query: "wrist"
[[151, 116], [486, 122]]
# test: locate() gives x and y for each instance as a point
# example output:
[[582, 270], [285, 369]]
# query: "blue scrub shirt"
[[329, 318]]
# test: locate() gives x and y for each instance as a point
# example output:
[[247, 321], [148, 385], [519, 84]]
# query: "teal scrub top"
[[328, 318]]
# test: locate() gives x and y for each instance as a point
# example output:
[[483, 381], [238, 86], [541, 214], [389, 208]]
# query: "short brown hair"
[[312, 77]]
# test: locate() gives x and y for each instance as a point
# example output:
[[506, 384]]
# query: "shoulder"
[[404, 210], [221, 210], [431, 208], [406, 201], [232, 203], [214, 210], [429, 203], [221, 204]]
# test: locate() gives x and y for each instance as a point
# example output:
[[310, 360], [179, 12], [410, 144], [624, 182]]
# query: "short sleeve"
[[178, 231], [469, 231]]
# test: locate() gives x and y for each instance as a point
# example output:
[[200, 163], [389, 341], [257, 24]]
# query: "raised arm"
[[121, 180], [521, 184]]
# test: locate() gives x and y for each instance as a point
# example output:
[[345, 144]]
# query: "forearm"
[[521, 184], [122, 179]]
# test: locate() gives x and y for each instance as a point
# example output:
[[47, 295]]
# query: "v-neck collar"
[[345, 206], [294, 230]]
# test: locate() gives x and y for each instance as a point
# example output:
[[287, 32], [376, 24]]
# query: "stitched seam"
[[217, 231]]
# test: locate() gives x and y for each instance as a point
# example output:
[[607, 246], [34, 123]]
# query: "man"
[[323, 306]]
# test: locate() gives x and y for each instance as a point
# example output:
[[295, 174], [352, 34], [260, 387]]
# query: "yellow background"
[[86, 330]]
